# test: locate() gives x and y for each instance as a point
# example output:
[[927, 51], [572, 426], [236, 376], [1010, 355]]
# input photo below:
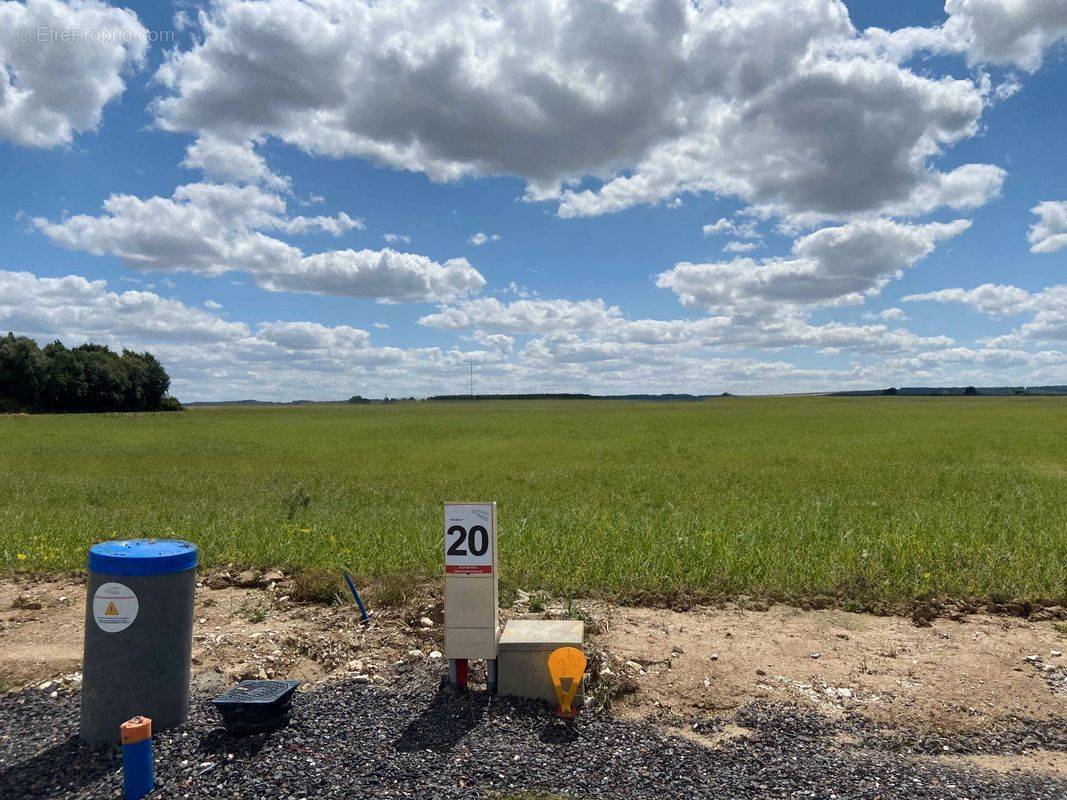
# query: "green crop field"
[[873, 500]]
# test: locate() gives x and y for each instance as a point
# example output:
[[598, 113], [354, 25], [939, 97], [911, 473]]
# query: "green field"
[[877, 500]]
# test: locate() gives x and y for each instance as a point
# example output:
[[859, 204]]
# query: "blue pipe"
[[138, 777], [355, 594]]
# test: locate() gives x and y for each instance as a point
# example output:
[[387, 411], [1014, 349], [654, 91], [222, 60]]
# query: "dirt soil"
[[677, 668]]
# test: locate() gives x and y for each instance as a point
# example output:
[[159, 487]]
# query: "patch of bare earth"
[[690, 671]]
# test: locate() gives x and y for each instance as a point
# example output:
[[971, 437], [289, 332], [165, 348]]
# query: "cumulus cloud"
[[1049, 233], [1048, 309], [1005, 31], [211, 229], [888, 314], [210, 358], [832, 266], [312, 336], [383, 274], [795, 114], [523, 316], [396, 238], [478, 239], [594, 331], [993, 299], [72, 306], [225, 160], [51, 90], [746, 229], [740, 247]]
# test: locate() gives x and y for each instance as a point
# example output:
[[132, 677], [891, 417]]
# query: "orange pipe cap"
[[135, 730]]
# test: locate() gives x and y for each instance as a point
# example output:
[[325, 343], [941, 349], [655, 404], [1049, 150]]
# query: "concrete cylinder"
[[138, 635]]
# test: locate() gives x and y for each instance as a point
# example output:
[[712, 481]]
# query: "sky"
[[310, 200]]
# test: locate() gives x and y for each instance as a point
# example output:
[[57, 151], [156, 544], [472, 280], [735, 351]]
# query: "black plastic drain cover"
[[256, 706]]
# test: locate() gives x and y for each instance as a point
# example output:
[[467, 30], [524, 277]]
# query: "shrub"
[[169, 403]]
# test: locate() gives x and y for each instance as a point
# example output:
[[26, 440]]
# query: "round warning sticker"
[[114, 607]]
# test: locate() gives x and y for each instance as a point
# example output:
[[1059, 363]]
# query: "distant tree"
[[64, 384], [21, 373], [106, 380], [147, 381], [356, 398], [90, 377], [970, 390], [891, 390]]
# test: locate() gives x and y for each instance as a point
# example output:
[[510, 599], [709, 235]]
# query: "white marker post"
[[470, 588]]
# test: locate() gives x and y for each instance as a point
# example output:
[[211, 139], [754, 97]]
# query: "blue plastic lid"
[[142, 557]]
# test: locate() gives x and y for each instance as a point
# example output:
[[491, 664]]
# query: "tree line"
[[87, 378]]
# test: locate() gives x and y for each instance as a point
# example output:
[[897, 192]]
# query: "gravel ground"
[[418, 739]]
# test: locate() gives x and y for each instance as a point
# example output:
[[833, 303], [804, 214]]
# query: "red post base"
[[460, 671]]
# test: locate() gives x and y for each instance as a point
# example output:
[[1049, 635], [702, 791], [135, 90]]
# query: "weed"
[[394, 591], [253, 611], [313, 585]]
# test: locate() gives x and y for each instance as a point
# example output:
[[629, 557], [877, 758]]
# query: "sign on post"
[[470, 580], [470, 531]]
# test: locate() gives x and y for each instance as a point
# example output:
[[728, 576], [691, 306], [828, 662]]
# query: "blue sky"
[[284, 200]]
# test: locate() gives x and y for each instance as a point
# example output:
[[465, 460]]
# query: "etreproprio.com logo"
[[26, 33]]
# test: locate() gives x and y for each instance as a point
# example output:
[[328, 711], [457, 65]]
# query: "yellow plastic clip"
[[566, 666]]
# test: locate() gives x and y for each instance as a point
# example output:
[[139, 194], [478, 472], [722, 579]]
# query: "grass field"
[[872, 500]]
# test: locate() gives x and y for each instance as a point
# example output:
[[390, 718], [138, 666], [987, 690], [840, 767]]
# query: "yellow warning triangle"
[[111, 610]]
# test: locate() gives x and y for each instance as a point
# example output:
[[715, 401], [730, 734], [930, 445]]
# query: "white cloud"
[[887, 315], [593, 330], [312, 336], [225, 160], [209, 358], [1048, 309], [478, 239], [832, 266], [214, 305], [383, 274], [211, 229], [1002, 32], [52, 89], [1005, 31], [203, 228], [746, 229], [332, 225], [395, 238], [74, 307], [1049, 233], [523, 316], [989, 298], [796, 113], [740, 247]]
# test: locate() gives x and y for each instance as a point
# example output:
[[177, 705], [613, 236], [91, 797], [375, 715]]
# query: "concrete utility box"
[[522, 656], [138, 635], [471, 617]]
